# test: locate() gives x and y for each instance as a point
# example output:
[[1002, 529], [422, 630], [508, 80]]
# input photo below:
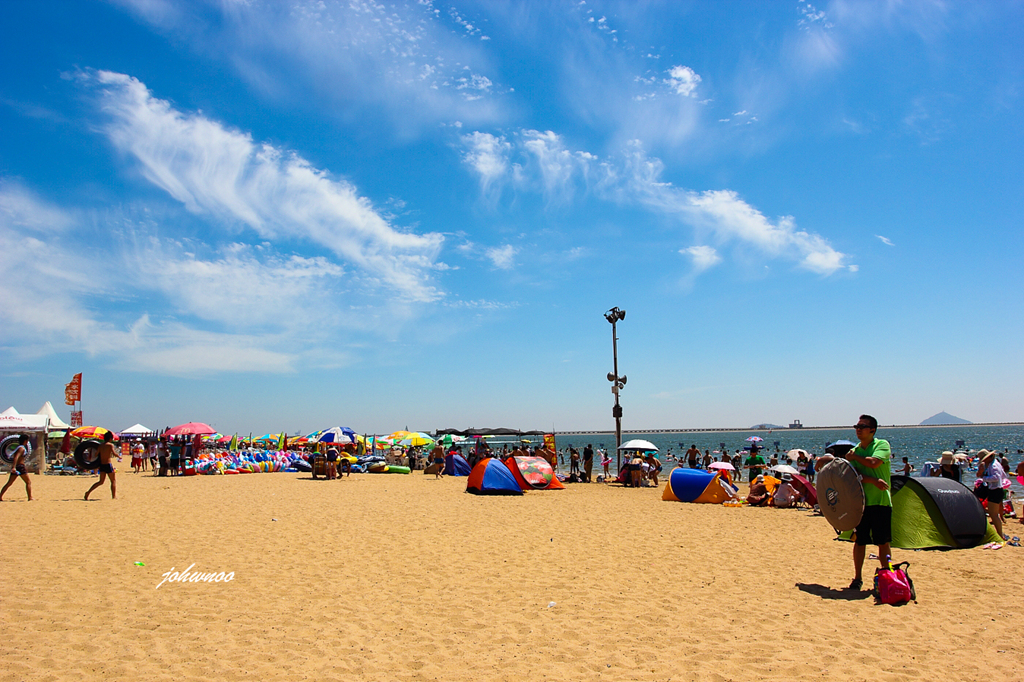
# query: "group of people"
[[784, 495]]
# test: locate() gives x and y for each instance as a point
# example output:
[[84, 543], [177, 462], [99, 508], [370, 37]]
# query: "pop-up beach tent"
[[533, 473], [491, 477], [695, 485], [936, 512], [456, 465]]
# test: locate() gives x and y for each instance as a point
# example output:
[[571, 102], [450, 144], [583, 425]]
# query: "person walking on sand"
[[437, 457], [107, 452], [872, 458], [18, 468]]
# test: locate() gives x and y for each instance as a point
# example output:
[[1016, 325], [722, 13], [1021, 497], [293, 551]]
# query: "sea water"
[[918, 444]]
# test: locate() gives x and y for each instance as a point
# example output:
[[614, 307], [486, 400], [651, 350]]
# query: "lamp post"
[[613, 316]]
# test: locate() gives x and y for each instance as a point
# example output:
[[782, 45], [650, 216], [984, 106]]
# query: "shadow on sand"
[[829, 593]]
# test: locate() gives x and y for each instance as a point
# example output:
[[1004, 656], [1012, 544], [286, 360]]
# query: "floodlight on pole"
[[615, 315]]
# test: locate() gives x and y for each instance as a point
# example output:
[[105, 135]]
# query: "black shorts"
[[20, 470], [875, 527], [106, 468], [996, 495]]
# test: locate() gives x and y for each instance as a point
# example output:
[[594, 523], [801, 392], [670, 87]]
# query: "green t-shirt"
[[753, 461], [879, 449]]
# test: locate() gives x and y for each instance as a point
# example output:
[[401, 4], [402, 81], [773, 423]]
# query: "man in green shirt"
[[871, 458], [754, 463]]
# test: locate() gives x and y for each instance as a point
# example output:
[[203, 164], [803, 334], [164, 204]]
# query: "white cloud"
[[214, 170], [488, 156], [704, 257], [408, 63], [885, 240], [683, 80], [503, 257]]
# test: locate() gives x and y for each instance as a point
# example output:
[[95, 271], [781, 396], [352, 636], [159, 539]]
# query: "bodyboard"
[[840, 494]]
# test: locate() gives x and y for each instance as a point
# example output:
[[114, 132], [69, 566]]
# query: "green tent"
[[936, 512]]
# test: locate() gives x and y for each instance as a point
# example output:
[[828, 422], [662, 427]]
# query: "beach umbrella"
[[190, 429], [396, 436], [795, 453], [784, 469], [91, 432], [722, 465], [337, 434], [839, 448], [416, 439], [638, 444], [755, 439]]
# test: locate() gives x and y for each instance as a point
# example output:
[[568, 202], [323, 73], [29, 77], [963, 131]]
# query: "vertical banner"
[[73, 390], [76, 419], [549, 445]]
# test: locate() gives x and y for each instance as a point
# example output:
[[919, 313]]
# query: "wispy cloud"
[[703, 257], [635, 178], [409, 63], [215, 170], [503, 257], [487, 155], [885, 240]]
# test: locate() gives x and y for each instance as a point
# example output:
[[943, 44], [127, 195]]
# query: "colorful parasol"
[[91, 432], [190, 429]]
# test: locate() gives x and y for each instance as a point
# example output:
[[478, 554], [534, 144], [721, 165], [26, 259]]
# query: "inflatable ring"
[[87, 454], [9, 444]]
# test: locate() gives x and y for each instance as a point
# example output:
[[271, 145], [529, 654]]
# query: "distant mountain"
[[758, 427], [944, 418]]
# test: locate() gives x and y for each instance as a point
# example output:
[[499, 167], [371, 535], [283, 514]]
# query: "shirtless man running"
[[437, 457], [107, 452]]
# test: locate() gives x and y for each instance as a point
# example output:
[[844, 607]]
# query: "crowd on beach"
[[775, 479]]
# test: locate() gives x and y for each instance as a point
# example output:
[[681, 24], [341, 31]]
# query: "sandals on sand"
[[856, 584]]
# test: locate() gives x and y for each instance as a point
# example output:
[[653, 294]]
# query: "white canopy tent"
[[56, 423], [137, 430]]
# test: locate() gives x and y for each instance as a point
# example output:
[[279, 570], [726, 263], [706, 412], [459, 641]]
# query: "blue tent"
[[456, 465], [491, 477]]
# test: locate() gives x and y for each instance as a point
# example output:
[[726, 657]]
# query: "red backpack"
[[893, 585]]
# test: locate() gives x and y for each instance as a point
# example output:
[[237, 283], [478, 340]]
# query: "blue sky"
[[296, 215]]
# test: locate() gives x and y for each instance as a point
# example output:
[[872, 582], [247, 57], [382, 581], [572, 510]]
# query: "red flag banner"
[[73, 390], [76, 419]]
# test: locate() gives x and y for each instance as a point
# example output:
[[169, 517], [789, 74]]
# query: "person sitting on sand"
[[107, 452], [758, 496], [18, 469], [786, 495]]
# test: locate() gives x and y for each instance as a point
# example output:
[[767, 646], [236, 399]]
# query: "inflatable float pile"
[[246, 462]]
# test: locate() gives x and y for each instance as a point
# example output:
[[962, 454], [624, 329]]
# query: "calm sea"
[[919, 445]]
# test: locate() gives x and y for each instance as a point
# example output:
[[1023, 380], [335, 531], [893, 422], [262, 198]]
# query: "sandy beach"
[[392, 577]]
